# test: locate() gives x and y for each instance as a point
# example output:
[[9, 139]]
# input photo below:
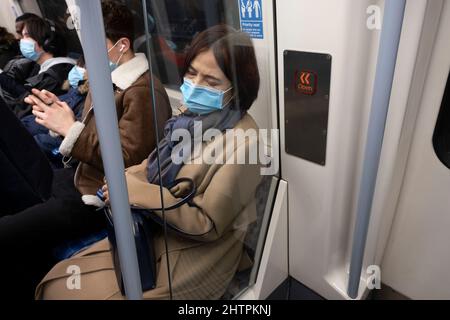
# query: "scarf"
[[220, 120]]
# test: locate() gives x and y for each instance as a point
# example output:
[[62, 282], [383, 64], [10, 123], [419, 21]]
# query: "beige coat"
[[201, 266]]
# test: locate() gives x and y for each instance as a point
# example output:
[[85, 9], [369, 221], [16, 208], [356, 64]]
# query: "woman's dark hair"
[[46, 34], [26, 16], [6, 38], [235, 56], [20, 21], [118, 21]]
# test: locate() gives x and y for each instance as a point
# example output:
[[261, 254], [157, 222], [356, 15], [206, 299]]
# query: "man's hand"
[[51, 112], [106, 194]]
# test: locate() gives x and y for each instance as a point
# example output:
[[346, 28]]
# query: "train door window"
[[57, 11], [173, 24], [228, 236], [441, 138]]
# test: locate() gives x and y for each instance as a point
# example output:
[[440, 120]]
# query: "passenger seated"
[[9, 47], [20, 68], [77, 86], [20, 23], [42, 44], [25, 174], [27, 238], [207, 250]]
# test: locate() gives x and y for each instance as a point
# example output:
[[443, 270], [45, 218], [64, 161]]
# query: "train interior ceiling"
[[357, 93]]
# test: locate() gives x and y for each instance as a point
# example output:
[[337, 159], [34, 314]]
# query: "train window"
[[441, 138], [173, 24], [56, 10]]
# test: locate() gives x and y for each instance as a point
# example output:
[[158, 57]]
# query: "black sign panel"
[[307, 78]]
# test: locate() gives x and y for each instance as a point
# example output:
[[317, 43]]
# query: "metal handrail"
[[387, 57], [100, 83]]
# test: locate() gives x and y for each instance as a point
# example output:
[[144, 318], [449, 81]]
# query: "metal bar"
[[387, 57], [158, 155], [100, 83]]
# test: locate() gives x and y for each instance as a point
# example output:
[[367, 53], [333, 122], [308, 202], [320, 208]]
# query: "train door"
[[416, 261], [328, 67]]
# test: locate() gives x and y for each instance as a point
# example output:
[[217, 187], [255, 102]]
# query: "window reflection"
[[173, 24], [56, 11]]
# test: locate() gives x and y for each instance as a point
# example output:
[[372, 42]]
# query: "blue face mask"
[[202, 100], [76, 75], [113, 66], [28, 50]]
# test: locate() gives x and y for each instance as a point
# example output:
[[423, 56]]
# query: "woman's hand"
[[106, 194], [51, 112]]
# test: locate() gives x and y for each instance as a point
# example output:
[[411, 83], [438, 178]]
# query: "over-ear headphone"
[[49, 43]]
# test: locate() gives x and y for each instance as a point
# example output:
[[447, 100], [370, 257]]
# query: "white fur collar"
[[126, 74]]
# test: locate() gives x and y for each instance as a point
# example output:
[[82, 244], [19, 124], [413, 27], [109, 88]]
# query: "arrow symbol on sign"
[[307, 78], [304, 78]]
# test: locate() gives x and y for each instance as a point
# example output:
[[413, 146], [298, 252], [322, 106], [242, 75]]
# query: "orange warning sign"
[[306, 82]]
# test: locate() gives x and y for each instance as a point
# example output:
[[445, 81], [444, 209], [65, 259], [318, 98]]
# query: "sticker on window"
[[251, 18]]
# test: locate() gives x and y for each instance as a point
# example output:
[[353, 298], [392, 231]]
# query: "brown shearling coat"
[[134, 111]]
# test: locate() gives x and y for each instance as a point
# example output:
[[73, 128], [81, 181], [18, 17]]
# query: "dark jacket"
[[7, 52], [25, 174], [75, 98], [20, 69], [51, 80]]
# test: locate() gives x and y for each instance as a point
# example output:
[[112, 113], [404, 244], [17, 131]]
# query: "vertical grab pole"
[[100, 83], [387, 57]]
